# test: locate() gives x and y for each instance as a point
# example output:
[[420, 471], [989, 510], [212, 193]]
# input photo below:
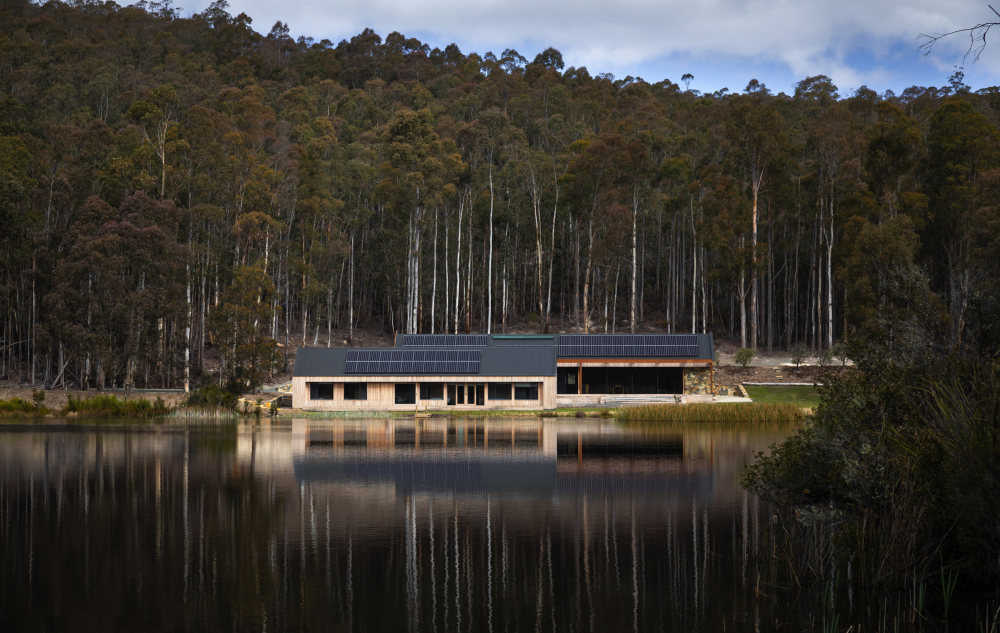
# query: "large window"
[[321, 390], [355, 391], [500, 391], [566, 379], [431, 391], [406, 394], [526, 391]]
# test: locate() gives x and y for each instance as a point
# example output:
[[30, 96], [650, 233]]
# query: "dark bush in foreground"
[[897, 484]]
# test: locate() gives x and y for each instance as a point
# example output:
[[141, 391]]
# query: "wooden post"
[[579, 379]]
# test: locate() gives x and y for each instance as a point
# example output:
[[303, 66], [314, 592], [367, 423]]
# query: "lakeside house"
[[503, 371]]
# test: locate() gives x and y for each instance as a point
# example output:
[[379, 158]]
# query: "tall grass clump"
[[20, 407], [212, 401], [108, 406], [896, 484], [752, 412]]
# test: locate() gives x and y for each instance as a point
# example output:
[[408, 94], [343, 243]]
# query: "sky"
[[722, 43]]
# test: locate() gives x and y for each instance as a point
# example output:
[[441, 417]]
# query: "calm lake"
[[383, 525]]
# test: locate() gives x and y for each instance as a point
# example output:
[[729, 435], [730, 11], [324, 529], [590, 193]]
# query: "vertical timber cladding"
[[423, 393]]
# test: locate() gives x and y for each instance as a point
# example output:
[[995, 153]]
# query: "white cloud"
[[806, 36]]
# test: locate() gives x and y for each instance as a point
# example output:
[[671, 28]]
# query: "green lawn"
[[802, 395]]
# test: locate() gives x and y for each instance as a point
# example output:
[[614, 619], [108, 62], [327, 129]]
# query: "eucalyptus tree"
[[418, 165], [756, 134], [962, 147], [489, 142]]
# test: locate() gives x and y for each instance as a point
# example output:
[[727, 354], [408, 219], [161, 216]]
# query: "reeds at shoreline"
[[752, 412]]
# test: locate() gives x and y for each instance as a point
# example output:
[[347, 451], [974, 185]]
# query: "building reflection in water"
[[422, 525]]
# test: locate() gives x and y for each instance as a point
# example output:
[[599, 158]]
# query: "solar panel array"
[[628, 345], [443, 340], [399, 361]]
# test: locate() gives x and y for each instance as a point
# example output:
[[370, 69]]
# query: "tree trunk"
[[829, 281], [458, 262], [434, 274], [552, 261], [350, 297], [187, 332], [635, 261], [586, 276], [758, 179], [489, 265]]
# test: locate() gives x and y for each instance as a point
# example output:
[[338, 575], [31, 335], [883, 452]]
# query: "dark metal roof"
[[397, 361], [498, 354], [509, 361], [672, 346], [442, 340]]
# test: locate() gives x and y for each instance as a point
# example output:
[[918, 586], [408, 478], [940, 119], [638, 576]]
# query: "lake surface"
[[383, 525]]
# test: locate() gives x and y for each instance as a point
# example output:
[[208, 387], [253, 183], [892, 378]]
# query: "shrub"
[[825, 357], [799, 353], [839, 351], [213, 396], [108, 406], [17, 405], [744, 355], [897, 477]]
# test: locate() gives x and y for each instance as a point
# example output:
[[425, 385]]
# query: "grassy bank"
[[106, 406], [753, 412], [801, 395]]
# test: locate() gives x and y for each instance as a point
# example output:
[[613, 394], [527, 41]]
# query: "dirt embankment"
[[735, 374], [56, 399]]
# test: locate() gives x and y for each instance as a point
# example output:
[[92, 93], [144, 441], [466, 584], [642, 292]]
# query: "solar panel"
[[398, 361], [443, 340], [628, 345]]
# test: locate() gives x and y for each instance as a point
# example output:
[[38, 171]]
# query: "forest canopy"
[[174, 189]]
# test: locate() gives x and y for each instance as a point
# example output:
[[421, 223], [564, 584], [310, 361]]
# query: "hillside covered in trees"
[[177, 187]]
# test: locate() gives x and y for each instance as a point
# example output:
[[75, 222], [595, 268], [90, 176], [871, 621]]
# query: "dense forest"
[[174, 190]]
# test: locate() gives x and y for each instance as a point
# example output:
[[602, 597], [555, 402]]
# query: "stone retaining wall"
[[698, 381]]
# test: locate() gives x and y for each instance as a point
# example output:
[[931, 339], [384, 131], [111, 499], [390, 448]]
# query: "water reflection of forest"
[[587, 528]]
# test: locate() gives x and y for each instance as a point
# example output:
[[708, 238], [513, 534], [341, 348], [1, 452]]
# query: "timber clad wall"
[[519, 371], [382, 393]]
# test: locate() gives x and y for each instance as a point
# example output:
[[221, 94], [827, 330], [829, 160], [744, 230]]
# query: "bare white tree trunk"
[[755, 188], [458, 262], [350, 297], [586, 277], [187, 333], [434, 277], [415, 305], [552, 260], [829, 281], [635, 261], [447, 296], [694, 270], [489, 264]]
